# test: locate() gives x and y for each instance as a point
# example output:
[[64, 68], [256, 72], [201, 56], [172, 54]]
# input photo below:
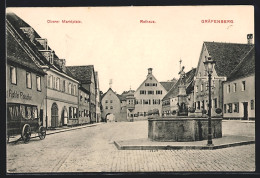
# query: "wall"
[[92, 89], [146, 107], [203, 95], [183, 129], [83, 108], [64, 100], [110, 95], [16, 93], [240, 97]]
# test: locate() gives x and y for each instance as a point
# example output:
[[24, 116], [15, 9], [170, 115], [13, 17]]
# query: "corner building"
[[25, 82], [61, 95]]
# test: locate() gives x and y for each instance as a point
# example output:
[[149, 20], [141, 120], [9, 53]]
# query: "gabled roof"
[[83, 73], [188, 79], [168, 85], [226, 55], [245, 68], [148, 76], [17, 55], [110, 89], [15, 23]]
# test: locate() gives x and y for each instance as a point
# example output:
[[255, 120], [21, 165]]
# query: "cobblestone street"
[[91, 149]]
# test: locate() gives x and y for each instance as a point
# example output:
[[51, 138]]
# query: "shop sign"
[[17, 94]]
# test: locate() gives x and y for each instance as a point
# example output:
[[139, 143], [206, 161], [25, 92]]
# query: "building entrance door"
[[64, 117], [54, 115], [245, 106]]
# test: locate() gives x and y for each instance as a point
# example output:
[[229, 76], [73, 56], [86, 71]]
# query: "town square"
[[87, 93]]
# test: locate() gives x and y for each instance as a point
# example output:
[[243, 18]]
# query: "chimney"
[[150, 70], [249, 39]]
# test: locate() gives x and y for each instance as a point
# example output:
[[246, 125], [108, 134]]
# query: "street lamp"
[[209, 66]]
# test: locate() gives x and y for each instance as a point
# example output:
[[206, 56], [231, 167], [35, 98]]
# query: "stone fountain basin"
[[183, 129]]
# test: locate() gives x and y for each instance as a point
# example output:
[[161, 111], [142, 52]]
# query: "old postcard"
[[130, 89]]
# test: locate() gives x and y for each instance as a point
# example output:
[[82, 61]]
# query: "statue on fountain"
[[182, 96]]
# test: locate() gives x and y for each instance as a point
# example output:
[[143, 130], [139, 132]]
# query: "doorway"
[[54, 115], [245, 106], [64, 116]]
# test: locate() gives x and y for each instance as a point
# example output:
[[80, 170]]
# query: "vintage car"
[[23, 119]]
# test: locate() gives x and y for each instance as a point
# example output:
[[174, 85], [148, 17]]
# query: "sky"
[[122, 49]]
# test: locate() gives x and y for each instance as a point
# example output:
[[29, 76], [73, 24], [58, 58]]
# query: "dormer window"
[[29, 32], [43, 42]]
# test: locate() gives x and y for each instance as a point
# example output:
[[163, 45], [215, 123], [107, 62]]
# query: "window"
[[58, 83], [28, 80], [106, 101], [202, 104], [150, 92], [215, 103], [86, 98], [198, 107], [146, 101], [111, 101], [230, 108], [75, 93], [234, 87], [73, 112], [228, 89], [50, 81], [106, 107], [111, 107], [158, 92], [252, 105], [69, 88], [35, 112], [13, 75], [156, 101], [81, 96], [54, 82], [64, 86], [201, 87], [142, 92], [243, 86], [225, 108], [236, 107], [150, 84], [38, 83], [136, 101]]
